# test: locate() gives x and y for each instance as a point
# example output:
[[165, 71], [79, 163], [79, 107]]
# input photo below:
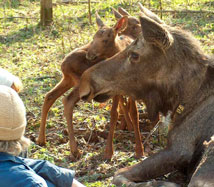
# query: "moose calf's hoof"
[[76, 155], [139, 153], [41, 141], [108, 153], [107, 157]]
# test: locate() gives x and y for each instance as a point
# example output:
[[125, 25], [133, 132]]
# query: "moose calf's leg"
[[123, 124], [114, 117], [122, 119], [50, 98], [135, 121], [69, 103], [126, 113]]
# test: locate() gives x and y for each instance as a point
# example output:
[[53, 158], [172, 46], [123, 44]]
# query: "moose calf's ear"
[[99, 21], [121, 24], [155, 33], [123, 11], [116, 14]]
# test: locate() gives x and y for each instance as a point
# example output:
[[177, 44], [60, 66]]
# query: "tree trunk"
[[46, 12], [89, 11]]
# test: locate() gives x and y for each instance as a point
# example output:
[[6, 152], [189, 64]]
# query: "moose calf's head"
[[106, 42], [133, 28], [160, 67]]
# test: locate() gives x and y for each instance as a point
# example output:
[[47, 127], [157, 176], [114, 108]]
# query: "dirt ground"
[[92, 169]]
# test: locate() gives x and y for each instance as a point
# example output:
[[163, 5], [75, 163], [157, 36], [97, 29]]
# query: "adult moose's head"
[[163, 67], [106, 41]]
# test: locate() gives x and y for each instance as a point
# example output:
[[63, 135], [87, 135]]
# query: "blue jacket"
[[23, 172]]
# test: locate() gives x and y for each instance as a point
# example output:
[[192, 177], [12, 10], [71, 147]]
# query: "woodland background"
[[34, 53]]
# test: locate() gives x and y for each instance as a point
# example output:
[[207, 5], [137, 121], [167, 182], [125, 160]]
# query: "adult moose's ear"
[[123, 11], [155, 33], [150, 14], [121, 24], [99, 22], [116, 14]]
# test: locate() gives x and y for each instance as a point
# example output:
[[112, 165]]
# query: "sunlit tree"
[[46, 12]]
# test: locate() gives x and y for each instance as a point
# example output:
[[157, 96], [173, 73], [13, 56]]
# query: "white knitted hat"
[[8, 79], [12, 114]]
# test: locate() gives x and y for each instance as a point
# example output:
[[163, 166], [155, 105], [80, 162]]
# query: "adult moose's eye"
[[134, 56]]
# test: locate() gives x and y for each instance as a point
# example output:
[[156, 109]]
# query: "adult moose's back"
[[167, 69]]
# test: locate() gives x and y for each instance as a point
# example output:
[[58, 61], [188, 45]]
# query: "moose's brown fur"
[[167, 69]]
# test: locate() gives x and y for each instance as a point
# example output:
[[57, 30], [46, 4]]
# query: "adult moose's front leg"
[[156, 165], [69, 103]]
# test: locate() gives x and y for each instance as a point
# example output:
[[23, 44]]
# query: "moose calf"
[[106, 43]]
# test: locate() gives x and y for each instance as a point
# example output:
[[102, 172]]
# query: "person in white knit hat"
[[8, 79], [16, 171]]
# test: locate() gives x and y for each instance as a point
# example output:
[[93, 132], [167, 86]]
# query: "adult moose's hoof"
[[123, 177], [120, 180], [128, 177]]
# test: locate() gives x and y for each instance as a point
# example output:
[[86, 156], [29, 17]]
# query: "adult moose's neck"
[[188, 70], [179, 95], [195, 90]]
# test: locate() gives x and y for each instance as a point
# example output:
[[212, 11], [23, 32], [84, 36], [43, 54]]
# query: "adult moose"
[[167, 69], [107, 43]]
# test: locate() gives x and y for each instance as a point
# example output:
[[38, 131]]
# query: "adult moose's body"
[[167, 69]]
